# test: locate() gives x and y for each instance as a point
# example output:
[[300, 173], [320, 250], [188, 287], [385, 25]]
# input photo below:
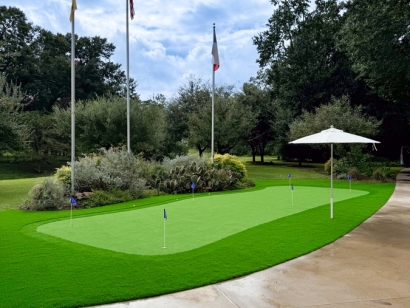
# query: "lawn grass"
[[274, 169], [38, 270], [14, 192]]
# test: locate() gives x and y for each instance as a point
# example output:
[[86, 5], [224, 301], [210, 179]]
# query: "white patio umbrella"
[[333, 135]]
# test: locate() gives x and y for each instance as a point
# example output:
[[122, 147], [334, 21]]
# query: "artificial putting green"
[[191, 223]]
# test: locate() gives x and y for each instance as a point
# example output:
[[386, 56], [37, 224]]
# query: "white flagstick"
[[165, 218], [193, 189], [292, 193]]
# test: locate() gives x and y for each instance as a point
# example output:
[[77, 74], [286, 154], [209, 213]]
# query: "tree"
[[41, 62], [258, 100], [376, 38], [191, 96], [299, 56], [14, 133], [338, 113], [101, 123], [232, 121]]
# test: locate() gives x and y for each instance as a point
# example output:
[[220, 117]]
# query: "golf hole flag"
[[73, 202], [215, 56], [165, 214], [193, 185]]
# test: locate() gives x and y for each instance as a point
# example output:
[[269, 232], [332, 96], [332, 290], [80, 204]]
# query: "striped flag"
[[73, 8], [165, 214], [215, 56], [132, 12]]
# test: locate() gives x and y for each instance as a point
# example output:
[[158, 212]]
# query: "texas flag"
[[132, 11], [215, 57]]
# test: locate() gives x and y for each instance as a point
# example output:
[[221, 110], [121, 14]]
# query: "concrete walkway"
[[369, 267]]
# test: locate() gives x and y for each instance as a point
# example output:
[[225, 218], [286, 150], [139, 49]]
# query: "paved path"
[[369, 267]]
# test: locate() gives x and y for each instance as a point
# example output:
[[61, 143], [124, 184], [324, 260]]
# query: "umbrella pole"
[[331, 180]]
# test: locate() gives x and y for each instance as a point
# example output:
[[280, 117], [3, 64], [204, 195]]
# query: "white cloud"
[[169, 40]]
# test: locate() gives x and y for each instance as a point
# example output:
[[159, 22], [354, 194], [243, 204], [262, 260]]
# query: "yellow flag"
[[73, 8]]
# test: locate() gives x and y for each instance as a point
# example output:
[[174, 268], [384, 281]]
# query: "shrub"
[[63, 174], [48, 195], [100, 198], [113, 169], [231, 162], [182, 161], [382, 173]]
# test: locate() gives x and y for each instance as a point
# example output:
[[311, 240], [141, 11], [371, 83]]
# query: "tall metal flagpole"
[[215, 66], [128, 81], [72, 15], [213, 103]]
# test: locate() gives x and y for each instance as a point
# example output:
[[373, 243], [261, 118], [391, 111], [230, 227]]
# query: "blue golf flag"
[[165, 214], [349, 177], [73, 202], [288, 175], [193, 185], [291, 186]]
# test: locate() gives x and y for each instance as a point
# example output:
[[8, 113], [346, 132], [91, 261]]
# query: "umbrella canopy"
[[332, 135]]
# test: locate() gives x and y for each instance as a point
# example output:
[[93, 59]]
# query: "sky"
[[169, 40]]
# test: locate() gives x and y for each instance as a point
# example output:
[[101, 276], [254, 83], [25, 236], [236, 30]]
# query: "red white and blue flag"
[[132, 12], [215, 56]]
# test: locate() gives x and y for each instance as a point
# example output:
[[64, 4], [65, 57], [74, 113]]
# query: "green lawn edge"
[[41, 271]]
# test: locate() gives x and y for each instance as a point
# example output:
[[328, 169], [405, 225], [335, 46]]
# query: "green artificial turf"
[[192, 222], [39, 270]]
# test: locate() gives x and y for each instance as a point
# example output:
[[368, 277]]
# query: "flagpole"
[[73, 8], [128, 80], [213, 103]]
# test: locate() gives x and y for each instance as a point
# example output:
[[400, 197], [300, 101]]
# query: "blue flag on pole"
[[288, 175], [349, 177], [193, 185], [165, 214], [73, 202]]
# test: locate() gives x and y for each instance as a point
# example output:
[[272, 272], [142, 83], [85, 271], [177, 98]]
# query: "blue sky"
[[169, 40]]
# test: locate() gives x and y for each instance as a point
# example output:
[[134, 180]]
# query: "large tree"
[[232, 121], [340, 114], [40, 61], [191, 96], [257, 98], [376, 38], [299, 57], [14, 133], [101, 123]]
